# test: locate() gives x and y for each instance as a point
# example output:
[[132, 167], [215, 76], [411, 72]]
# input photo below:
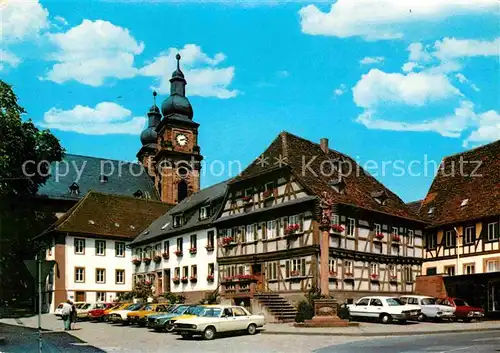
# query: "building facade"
[[270, 232], [177, 252]]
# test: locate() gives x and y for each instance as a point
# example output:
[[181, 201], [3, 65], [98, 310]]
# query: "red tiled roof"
[[458, 180], [361, 189]]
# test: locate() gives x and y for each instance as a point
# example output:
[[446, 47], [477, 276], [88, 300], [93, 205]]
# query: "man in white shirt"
[[66, 315]]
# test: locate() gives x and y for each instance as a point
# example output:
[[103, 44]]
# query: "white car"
[[384, 309], [219, 318], [121, 315], [430, 307], [58, 311]]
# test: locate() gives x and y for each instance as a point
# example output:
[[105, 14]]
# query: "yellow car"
[[119, 306], [139, 317], [166, 322]]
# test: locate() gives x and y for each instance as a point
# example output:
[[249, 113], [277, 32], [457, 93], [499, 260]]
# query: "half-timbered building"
[[463, 240], [269, 227]]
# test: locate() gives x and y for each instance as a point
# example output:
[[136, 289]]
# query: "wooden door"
[[80, 296], [257, 273], [159, 283], [166, 281]]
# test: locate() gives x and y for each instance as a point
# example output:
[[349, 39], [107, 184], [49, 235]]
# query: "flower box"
[[247, 199], [165, 255], [379, 236], [227, 241], [157, 259], [209, 247], [337, 228], [396, 238], [193, 279], [210, 278], [292, 229], [136, 262], [184, 280], [374, 277], [332, 274], [294, 273], [192, 251], [348, 276], [146, 260], [176, 280], [268, 194], [178, 252], [393, 279]]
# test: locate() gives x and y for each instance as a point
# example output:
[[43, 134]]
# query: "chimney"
[[323, 143]]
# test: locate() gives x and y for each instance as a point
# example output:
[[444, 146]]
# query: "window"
[[120, 276], [194, 271], [100, 275], [431, 271], [493, 231], [158, 249], [100, 247], [192, 240], [185, 271], [226, 233], [250, 233], [243, 235], [100, 296], [249, 192], [450, 238], [298, 267], [269, 186], [376, 302], [177, 220], [393, 272], [469, 269], [332, 266], [469, 235], [166, 247], [335, 219], [272, 271], [411, 237], [210, 239], [177, 272], [374, 269], [378, 228], [408, 274], [492, 266], [348, 267], [351, 226], [363, 302], [138, 253], [79, 246], [296, 219], [79, 274], [395, 232], [431, 241], [271, 229], [211, 269], [449, 270], [179, 244], [119, 249], [204, 212], [239, 312]]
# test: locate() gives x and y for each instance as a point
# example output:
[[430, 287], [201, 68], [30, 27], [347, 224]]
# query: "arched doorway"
[[182, 190]]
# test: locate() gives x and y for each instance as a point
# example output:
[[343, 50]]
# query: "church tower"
[[170, 150]]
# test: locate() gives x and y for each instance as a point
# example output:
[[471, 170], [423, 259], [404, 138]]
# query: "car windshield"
[[211, 312], [134, 307], [460, 302], [194, 310], [180, 310], [147, 308], [393, 302], [429, 301], [79, 305], [85, 306]]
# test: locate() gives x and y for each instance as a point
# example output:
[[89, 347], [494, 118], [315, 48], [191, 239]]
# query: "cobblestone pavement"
[[96, 337]]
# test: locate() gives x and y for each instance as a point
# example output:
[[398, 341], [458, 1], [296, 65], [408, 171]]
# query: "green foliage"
[[210, 298], [125, 296], [305, 311], [174, 298], [313, 294], [21, 217]]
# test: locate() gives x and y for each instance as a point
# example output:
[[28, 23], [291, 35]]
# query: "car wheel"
[[422, 317], [385, 318], [252, 329], [186, 336], [168, 327], [209, 333]]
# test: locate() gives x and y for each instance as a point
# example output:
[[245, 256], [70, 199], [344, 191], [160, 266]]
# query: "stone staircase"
[[278, 306]]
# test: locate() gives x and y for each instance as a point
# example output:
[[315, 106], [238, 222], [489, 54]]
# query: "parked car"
[[384, 309], [58, 311], [219, 319], [165, 322], [98, 312], [463, 311], [119, 306], [82, 313], [430, 307], [139, 316], [121, 315]]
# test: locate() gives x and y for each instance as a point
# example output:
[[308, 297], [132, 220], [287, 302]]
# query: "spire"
[[177, 82], [177, 103], [149, 135]]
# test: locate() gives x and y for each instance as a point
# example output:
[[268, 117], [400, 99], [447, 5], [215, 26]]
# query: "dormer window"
[[431, 210], [380, 197], [103, 179], [204, 212], [177, 220], [464, 202], [338, 184], [74, 189], [139, 194]]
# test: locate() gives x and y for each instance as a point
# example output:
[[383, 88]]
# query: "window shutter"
[[287, 271], [303, 267]]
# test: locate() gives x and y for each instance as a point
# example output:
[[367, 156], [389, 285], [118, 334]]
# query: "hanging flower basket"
[[157, 259], [146, 260], [193, 279], [396, 238], [209, 247], [227, 241], [192, 251], [348, 276], [291, 229], [165, 255], [379, 236], [210, 278], [178, 252], [337, 228], [176, 280], [393, 279], [184, 280], [374, 277], [136, 262]]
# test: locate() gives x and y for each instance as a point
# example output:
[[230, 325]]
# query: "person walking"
[[66, 315], [73, 315]]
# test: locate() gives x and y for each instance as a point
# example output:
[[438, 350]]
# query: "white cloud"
[[368, 60], [8, 58], [93, 51], [410, 66], [21, 20], [204, 77], [415, 89], [340, 90], [418, 52], [104, 118], [383, 19], [452, 48], [488, 128], [61, 20]]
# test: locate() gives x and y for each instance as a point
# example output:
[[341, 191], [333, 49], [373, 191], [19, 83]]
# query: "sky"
[[395, 84]]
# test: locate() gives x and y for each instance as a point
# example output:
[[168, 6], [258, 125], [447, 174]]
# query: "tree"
[[20, 142]]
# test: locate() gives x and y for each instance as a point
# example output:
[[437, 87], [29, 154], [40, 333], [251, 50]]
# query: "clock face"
[[181, 139]]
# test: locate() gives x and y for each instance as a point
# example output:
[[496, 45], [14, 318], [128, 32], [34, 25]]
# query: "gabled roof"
[[99, 214], [190, 210], [479, 184], [305, 159], [414, 206], [123, 178]]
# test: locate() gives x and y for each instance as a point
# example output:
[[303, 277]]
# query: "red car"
[[98, 314], [463, 310]]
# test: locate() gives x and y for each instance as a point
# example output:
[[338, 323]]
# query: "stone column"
[[324, 256]]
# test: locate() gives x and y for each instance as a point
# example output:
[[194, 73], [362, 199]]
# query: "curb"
[[374, 334]]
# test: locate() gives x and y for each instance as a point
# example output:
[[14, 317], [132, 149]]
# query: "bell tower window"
[[182, 190]]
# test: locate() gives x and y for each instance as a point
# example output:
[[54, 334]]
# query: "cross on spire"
[[178, 57]]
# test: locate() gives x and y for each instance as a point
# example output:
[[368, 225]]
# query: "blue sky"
[[384, 81]]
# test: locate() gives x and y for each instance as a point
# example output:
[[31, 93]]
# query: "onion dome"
[[149, 134], [177, 103]]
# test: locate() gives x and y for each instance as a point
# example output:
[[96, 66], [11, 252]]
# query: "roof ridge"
[[126, 197], [101, 158]]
